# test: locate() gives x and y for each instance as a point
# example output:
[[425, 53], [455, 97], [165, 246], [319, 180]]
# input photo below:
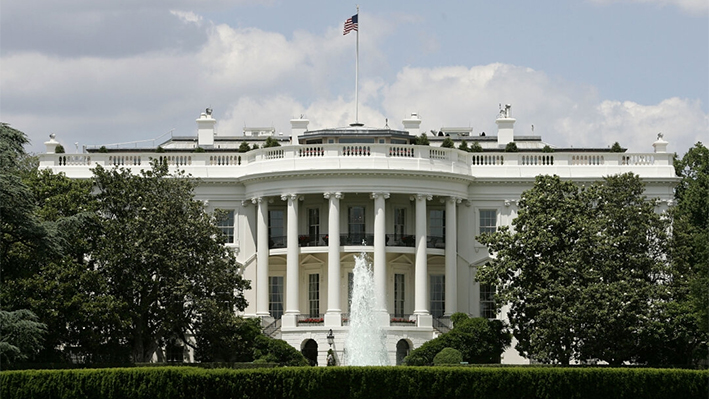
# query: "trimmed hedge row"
[[356, 382]]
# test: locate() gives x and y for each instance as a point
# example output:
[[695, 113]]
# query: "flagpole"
[[357, 73]]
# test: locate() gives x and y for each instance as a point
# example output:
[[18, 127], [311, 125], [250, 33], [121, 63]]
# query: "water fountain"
[[366, 341]]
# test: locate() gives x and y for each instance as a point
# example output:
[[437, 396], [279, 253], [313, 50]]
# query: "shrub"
[[448, 143], [422, 139], [464, 146], [199, 149], [103, 149], [159, 150], [278, 351], [547, 149], [511, 147], [59, 149], [476, 147], [447, 356], [616, 147], [271, 142], [244, 147]]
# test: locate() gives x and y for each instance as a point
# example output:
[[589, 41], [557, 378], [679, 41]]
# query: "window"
[[487, 301], [275, 294], [276, 228], [437, 223], [399, 223], [225, 222], [399, 295], [314, 294], [356, 228], [314, 225], [438, 295], [488, 221]]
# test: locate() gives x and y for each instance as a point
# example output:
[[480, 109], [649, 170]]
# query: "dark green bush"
[[355, 382], [476, 147], [511, 147], [448, 356], [448, 143]]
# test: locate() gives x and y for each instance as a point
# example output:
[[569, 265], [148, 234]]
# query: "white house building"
[[300, 212]]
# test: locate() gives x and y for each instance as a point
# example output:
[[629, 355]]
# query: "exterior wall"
[[482, 181]]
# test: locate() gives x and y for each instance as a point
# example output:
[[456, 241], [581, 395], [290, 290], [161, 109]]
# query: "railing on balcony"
[[318, 240], [408, 320], [442, 324], [271, 329], [401, 240], [357, 239], [307, 320], [435, 242], [277, 242]]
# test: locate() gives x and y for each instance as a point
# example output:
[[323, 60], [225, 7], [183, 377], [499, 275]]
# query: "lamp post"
[[330, 337]]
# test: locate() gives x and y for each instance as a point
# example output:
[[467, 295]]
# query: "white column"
[[380, 256], [333, 316], [261, 257], [421, 272], [292, 275], [451, 256]]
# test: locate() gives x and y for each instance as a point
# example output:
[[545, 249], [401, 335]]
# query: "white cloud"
[[694, 7], [187, 17]]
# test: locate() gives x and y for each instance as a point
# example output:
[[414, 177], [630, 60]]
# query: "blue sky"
[[584, 73]]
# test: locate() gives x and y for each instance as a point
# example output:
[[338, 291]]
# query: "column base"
[[289, 320], [425, 320], [333, 319]]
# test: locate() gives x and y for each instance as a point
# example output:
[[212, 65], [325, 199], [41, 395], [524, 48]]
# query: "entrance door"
[[310, 351]]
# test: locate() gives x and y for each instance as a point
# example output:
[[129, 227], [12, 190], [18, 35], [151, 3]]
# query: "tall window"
[[488, 221], [276, 228], [314, 294], [437, 223], [399, 223], [275, 296], [438, 295], [487, 301], [314, 224], [225, 222], [356, 228], [399, 295]]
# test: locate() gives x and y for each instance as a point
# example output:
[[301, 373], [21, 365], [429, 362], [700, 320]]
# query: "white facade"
[[302, 211]]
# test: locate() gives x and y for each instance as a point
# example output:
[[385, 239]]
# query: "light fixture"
[[330, 337]]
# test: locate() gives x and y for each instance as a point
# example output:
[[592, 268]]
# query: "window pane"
[[314, 224], [314, 294], [438, 295], [487, 301], [225, 222], [437, 223], [275, 293], [399, 223], [488, 221], [276, 228], [399, 295], [356, 228]]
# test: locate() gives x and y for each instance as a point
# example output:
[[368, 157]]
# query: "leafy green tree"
[[582, 270], [224, 337], [244, 147], [448, 356], [422, 139], [163, 255], [277, 351], [464, 146], [476, 147], [21, 335], [448, 143], [547, 149], [616, 147], [511, 147], [479, 340], [271, 142]]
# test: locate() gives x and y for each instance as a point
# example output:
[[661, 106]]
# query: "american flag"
[[350, 24]]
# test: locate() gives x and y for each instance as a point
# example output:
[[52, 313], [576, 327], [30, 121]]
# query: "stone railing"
[[359, 156]]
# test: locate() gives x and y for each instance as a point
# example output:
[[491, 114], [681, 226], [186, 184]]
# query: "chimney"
[[412, 124], [505, 126], [298, 127], [51, 144], [205, 129]]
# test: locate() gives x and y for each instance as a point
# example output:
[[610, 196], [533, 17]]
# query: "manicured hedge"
[[356, 382]]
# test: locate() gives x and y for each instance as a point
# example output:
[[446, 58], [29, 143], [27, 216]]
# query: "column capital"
[[455, 200], [336, 195], [291, 197], [510, 202], [419, 197], [255, 200], [375, 195]]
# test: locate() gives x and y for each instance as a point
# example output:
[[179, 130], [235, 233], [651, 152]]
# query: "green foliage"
[[448, 356], [162, 254], [271, 142], [476, 147], [21, 335], [464, 146], [59, 149], [511, 147], [223, 337], [244, 147], [422, 139], [159, 150], [255, 146], [103, 149], [547, 149], [448, 143], [479, 340], [199, 149], [355, 382], [616, 147], [278, 351], [583, 270]]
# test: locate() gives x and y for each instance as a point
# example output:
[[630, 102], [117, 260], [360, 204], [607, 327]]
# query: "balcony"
[[305, 320], [392, 240]]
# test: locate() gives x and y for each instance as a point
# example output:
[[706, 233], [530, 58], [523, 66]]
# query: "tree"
[[511, 147], [616, 147], [464, 146], [224, 337], [244, 147], [271, 142], [582, 271], [277, 351], [476, 147], [21, 335], [163, 255], [447, 143], [422, 139], [479, 340]]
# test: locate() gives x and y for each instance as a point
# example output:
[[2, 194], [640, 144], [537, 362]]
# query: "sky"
[[584, 73]]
